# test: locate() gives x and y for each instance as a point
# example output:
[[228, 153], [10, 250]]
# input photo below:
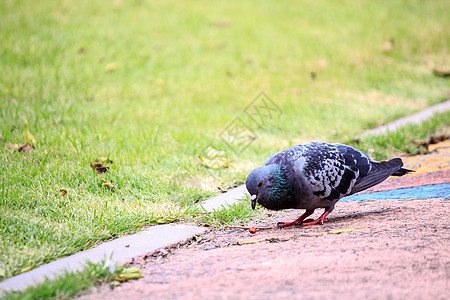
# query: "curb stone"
[[119, 250], [412, 119]]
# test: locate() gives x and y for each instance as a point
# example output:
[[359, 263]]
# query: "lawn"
[[151, 85]]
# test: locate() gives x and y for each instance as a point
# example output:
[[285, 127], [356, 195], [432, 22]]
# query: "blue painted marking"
[[420, 192]]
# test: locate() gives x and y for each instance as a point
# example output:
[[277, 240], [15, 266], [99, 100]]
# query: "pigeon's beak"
[[254, 199]]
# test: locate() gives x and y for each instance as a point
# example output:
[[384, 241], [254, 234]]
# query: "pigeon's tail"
[[402, 172], [379, 172]]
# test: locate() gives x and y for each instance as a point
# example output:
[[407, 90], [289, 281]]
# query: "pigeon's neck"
[[282, 184]]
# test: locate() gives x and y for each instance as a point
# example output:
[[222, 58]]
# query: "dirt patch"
[[401, 253]]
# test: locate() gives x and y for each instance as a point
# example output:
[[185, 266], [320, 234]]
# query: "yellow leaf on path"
[[164, 219], [28, 136], [343, 230], [129, 274]]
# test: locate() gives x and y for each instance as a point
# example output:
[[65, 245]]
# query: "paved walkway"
[[393, 248]]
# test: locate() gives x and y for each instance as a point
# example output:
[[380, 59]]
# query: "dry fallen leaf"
[[388, 46], [197, 238], [164, 219], [160, 82], [63, 192], [214, 159], [26, 269], [111, 66], [441, 71], [216, 163], [98, 165], [338, 231], [129, 274], [99, 168], [108, 184], [26, 148], [104, 159], [211, 152], [249, 242]]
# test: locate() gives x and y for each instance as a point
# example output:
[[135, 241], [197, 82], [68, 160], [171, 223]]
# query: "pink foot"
[[322, 219], [299, 221]]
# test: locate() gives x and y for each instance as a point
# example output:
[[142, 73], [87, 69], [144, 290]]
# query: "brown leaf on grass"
[[388, 46], [99, 168], [215, 163], [441, 71], [434, 139], [108, 184], [26, 148], [63, 192]]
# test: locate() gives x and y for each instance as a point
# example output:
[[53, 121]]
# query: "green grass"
[[151, 84], [68, 284], [404, 140], [235, 214]]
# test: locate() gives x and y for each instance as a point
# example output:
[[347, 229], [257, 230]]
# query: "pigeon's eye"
[[260, 184]]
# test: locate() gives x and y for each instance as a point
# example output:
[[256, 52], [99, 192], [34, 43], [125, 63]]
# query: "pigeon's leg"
[[320, 220], [299, 221]]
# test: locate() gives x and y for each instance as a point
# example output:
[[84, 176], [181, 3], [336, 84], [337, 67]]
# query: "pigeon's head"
[[267, 186]]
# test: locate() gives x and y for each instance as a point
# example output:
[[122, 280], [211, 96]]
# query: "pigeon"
[[316, 175]]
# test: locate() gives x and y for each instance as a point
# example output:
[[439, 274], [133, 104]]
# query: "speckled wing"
[[331, 172]]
